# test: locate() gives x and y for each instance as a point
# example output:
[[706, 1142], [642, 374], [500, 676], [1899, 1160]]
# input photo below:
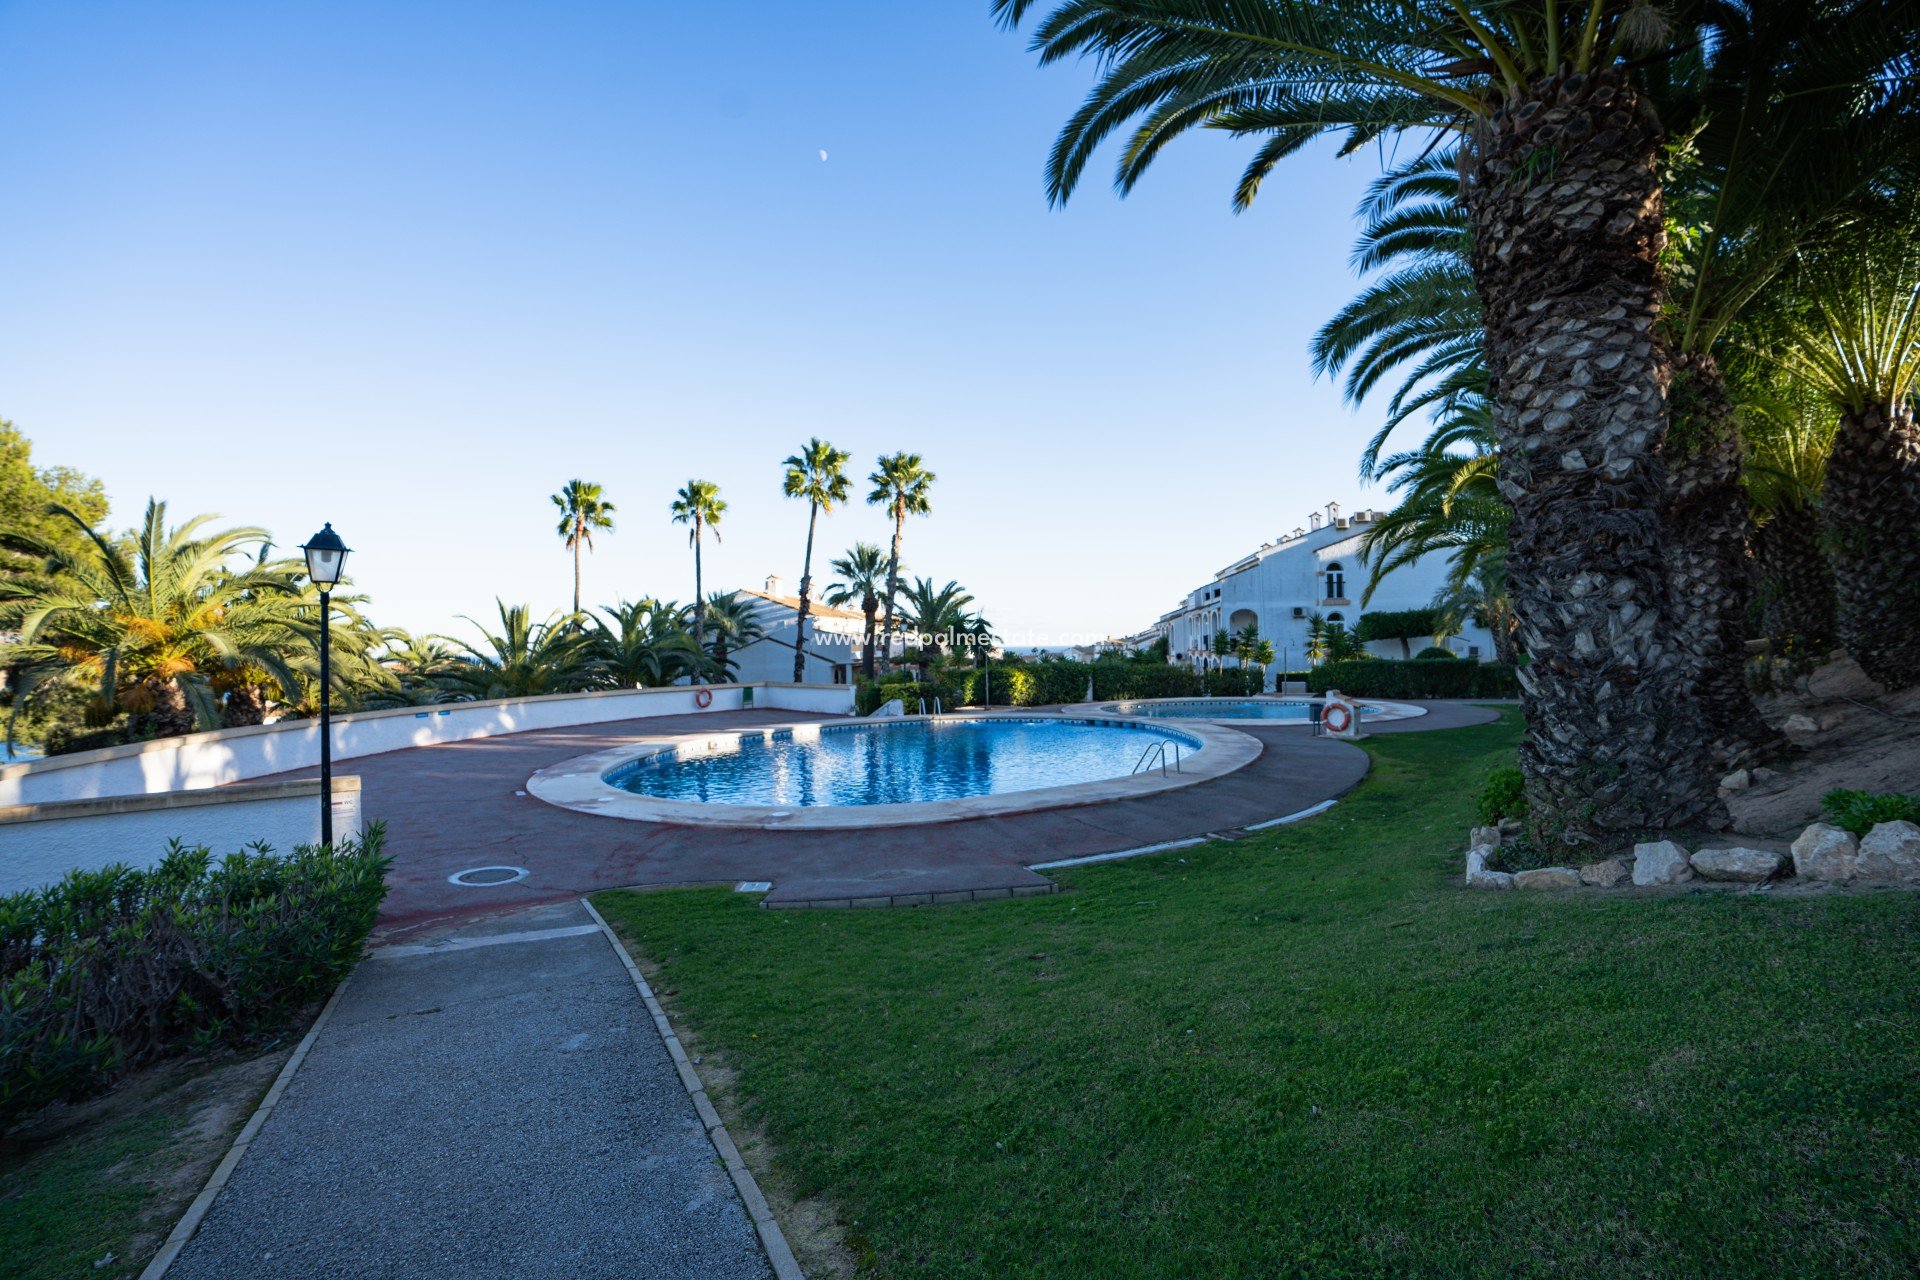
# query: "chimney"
[[1313, 521], [776, 585], [1333, 511]]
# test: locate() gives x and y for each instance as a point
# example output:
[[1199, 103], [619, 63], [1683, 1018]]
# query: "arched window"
[[1336, 617], [1336, 582]]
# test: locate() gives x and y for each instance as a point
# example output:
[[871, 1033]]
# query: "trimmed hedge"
[[1038, 684], [1395, 624], [1416, 678], [111, 969]]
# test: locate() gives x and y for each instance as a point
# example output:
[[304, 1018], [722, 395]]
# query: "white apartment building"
[[1317, 568], [834, 638]]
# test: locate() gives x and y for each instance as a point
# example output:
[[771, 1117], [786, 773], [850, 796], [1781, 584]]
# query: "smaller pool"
[[1298, 711]]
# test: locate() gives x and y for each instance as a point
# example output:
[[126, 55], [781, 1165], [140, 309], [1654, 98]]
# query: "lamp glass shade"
[[326, 557]]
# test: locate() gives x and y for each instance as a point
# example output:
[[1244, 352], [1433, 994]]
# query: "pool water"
[[897, 762], [1221, 709]]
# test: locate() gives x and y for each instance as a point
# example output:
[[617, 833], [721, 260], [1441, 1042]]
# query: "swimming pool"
[[898, 761]]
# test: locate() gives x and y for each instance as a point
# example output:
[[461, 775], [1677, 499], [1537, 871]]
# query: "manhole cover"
[[486, 877]]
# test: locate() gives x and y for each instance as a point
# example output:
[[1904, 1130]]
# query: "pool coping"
[[579, 784], [1394, 711]]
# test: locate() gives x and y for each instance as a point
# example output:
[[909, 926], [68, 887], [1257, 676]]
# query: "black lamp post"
[[326, 557]]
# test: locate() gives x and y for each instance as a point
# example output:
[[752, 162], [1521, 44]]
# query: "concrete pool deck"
[[463, 805]]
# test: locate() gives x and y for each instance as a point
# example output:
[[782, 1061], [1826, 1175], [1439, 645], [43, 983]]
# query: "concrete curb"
[[772, 1239], [197, 1211]]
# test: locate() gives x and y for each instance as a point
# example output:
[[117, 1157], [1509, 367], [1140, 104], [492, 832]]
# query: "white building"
[[833, 639], [1315, 569]]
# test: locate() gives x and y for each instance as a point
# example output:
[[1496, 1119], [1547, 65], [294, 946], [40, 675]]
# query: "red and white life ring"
[[703, 697], [1328, 714]]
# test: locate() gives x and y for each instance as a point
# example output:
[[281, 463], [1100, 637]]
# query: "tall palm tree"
[[733, 621], [700, 506], [1857, 341], [818, 476], [900, 483], [863, 575], [937, 615], [1560, 164], [527, 658], [164, 621], [584, 511]]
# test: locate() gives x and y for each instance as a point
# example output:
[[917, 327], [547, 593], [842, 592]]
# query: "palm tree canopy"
[[862, 576], [936, 611], [699, 505], [818, 474], [901, 483], [584, 511], [526, 658]]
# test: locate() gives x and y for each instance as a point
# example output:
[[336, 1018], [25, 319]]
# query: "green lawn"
[[1310, 1053]]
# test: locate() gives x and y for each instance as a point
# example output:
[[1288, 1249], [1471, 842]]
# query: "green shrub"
[[1860, 811], [1503, 795], [1395, 624], [1397, 678], [1053, 681], [108, 970], [1433, 652]]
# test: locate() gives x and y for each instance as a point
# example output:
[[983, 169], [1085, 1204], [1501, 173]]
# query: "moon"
[[823, 153]]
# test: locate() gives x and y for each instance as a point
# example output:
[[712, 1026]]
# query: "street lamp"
[[326, 557]]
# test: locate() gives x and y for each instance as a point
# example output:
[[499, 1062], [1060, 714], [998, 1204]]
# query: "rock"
[[1797, 723], [1489, 880], [1661, 862], [1763, 774], [1890, 852], [1484, 838], [1738, 865], [1606, 873], [1738, 780], [1825, 852], [1831, 720], [1547, 878], [1511, 826]]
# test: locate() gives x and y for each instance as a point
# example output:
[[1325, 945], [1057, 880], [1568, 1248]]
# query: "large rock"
[[1738, 780], [1606, 873], [1798, 723], [1489, 880], [1484, 838], [1660, 862], [1738, 865], [1825, 852], [1890, 853], [1547, 878]]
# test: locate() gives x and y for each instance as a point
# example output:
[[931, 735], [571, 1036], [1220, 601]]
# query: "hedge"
[[108, 970], [1395, 624], [1036, 684], [1415, 678]]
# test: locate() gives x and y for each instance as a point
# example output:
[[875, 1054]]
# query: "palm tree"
[[647, 646], [900, 483], [1789, 438], [734, 622], [583, 512], [526, 658], [818, 475], [163, 622], [1480, 597], [863, 575], [937, 615], [699, 505], [415, 671], [1560, 166], [1857, 341]]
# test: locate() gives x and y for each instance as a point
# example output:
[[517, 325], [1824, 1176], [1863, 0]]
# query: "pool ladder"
[[937, 710], [1158, 752]]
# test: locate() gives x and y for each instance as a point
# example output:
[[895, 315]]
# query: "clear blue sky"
[[408, 267]]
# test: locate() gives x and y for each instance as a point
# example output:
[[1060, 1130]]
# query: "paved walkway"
[[494, 1111]]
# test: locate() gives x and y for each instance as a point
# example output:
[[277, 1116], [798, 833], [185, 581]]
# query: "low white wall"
[[223, 756], [39, 843]]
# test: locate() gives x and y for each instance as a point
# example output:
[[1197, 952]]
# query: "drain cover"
[[486, 877]]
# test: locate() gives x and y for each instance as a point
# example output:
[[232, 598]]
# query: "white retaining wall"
[[39, 843], [225, 756]]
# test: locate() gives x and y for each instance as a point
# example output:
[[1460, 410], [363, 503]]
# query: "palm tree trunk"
[[871, 607], [806, 589], [1872, 511], [246, 705], [576, 570], [699, 600], [1567, 229], [1709, 585], [1796, 588], [893, 571]]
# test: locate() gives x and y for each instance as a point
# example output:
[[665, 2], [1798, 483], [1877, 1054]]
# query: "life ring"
[[703, 697], [1333, 709]]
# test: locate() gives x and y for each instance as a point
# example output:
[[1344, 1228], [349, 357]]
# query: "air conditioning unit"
[[1342, 523], [1299, 611]]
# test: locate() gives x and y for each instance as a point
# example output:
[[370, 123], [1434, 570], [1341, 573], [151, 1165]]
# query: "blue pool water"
[[896, 762], [1220, 709]]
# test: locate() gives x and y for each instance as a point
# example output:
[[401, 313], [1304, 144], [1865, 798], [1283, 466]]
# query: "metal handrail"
[[1158, 750]]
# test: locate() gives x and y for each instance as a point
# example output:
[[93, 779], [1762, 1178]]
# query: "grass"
[[109, 1179], [1308, 1053]]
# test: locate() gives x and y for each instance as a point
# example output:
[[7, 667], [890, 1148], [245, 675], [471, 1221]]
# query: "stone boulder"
[[1825, 852], [1738, 865], [1738, 780], [1798, 723], [1660, 862], [1606, 873], [1484, 838], [1890, 853], [1547, 878]]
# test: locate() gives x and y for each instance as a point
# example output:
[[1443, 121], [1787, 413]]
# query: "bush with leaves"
[[1417, 678], [1503, 795], [1860, 811], [108, 970]]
